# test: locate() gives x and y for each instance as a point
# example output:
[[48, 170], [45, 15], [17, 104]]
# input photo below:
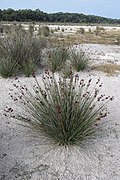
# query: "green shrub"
[[8, 67], [79, 59], [67, 111], [24, 48], [67, 70], [28, 67], [56, 58]]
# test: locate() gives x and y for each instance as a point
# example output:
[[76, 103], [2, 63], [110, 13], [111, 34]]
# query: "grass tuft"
[[20, 49], [56, 58], [109, 69], [79, 59], [67, 111], [8, 67]]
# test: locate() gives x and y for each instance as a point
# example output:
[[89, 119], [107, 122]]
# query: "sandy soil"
[[24, 157], [101, 54]]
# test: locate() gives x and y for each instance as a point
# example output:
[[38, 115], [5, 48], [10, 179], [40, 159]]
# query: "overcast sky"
[[106, 8]]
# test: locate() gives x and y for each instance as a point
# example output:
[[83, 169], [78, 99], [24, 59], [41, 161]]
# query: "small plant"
[[67, 70], [44, 31], [28, 67], [67, 111], [8, 67], [81, 31], [89, 30], [97, 31], [56, 58], [31, 30], [20, 47], [52, 31], [1, 28], [79, 59]]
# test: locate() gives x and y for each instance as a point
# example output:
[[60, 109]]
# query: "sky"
[[105, 8]]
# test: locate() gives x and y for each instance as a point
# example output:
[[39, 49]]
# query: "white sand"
[[24, 158]]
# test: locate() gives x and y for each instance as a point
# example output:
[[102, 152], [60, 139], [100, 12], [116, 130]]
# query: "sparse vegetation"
[[109, 69]]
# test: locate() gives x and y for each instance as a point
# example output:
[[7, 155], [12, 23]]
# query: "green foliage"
[[8, 67], [67, 70], [68, 111], [28, 15], [28, 67], [24, 49], [56, 58], [79, 59]]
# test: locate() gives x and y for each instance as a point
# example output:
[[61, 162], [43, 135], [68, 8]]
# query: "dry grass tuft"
[[109, 69]]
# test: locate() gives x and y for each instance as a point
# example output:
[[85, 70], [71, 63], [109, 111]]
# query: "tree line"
[[27, 15]]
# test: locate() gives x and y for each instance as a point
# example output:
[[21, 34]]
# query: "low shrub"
[[31, 29], [44, 31], [81, 31], [22, 47], [79, 59], [67, 70], [8, 67], [67, 111], [28, 67], [56, 58]]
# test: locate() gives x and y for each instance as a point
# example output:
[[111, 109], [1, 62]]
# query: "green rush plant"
[[68, 111], [20, 47], [79, 59], [8, 67], [56, 58], [67, 70]]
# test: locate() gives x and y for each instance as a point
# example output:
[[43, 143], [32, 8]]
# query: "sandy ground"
[[24, 157], [73, 29], [102, 54]]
